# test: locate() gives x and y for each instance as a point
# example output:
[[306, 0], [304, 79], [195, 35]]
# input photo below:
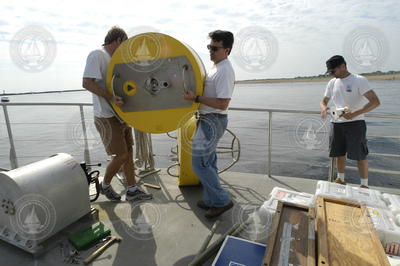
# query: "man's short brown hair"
[[114, 34], [222, 35]]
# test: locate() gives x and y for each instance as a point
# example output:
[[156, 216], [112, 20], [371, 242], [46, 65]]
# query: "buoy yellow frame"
[[158, 46]]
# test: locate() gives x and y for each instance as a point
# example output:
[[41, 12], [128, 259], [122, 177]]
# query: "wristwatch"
[[197, 99]]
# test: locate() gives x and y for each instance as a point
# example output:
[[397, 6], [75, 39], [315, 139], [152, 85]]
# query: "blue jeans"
[[210, 129]]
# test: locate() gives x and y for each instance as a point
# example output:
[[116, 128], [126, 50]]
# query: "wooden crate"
[[292, 239], [346, 235]]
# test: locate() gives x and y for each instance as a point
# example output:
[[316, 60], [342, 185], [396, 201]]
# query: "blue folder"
[[239, 252]]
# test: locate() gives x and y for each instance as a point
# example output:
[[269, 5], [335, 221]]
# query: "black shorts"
[[350, 138]]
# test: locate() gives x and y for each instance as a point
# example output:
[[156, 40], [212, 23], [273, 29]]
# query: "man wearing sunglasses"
[[348, 132], [212, 123]]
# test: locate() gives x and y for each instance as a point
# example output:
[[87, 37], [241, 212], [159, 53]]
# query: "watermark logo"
[[33, 48], [142, 219], [35, 217], [98, 133], [258, 221], [255, 49], [366, 48], [200, 136], [359, 220], [309, 134], [145, 50]]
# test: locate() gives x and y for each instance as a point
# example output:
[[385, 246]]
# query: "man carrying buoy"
[[115, 134], [212, 123]]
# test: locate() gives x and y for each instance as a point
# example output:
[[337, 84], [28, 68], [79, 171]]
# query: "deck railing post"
[[86, 153], [13, 154], [331, 169], [269, 143]]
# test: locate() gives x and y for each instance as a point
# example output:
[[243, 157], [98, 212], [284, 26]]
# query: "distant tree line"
[[365, 74]]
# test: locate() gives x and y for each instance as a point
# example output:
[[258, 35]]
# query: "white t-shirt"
[[349, 92], [96, 67], [219, 83]]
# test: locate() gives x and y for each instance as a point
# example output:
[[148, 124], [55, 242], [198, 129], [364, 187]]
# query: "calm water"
[[42, 131]]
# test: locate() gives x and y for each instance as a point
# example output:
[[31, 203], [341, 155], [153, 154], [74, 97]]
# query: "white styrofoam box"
[[393, 202], [393, 260], [264, 216], [385, 224], [285, 195], [369, 197], [334, 190]]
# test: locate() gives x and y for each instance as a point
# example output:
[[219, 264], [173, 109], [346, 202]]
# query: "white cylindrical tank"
[[40, 199]]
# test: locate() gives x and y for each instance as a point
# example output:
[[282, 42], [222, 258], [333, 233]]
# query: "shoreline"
[[317, 79], [37, 92], [370, 77]]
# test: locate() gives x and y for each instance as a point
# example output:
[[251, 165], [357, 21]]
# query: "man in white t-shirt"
[[349, 93], [212, 123], [115, 134]]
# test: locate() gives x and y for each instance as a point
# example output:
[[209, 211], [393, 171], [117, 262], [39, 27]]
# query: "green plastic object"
[[89, 236]]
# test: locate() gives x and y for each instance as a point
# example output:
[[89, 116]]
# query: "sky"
[[273, 38]]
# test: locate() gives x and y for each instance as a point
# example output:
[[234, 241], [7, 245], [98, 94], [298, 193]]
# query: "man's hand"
[[189, 95], [348, 115], [324, 112], [117, 100]]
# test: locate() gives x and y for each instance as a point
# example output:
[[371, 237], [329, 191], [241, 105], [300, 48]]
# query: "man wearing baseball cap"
[[348, 133]]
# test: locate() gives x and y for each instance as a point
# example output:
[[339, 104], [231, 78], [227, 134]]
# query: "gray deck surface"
[[171, 228]]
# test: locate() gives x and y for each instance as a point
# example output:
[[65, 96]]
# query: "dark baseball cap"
[[334, 62]]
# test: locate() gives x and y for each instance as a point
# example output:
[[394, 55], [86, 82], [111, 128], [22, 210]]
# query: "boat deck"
[[168, 230]]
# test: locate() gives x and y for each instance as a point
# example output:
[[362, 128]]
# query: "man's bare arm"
[[92, 86], [324, 107], [218, 103], [373, 102]]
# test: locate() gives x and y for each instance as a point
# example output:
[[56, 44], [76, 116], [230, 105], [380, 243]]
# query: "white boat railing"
[[332, 161], [13, 155], [14, 159]]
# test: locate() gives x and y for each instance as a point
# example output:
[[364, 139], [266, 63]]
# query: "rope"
[[231, 149], [144, 150]]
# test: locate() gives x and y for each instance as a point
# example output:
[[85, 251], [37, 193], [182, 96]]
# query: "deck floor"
[[168, 230]]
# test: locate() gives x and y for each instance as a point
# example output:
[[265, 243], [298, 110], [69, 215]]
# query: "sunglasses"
[[333, 71], [214, 48]]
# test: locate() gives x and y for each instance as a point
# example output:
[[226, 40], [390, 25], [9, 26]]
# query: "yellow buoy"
[[150, 71], [185, 134]]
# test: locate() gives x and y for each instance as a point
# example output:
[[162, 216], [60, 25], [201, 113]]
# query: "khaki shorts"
[[117, 137]]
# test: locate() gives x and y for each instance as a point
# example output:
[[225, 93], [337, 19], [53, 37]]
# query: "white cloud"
[[307, 31]]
